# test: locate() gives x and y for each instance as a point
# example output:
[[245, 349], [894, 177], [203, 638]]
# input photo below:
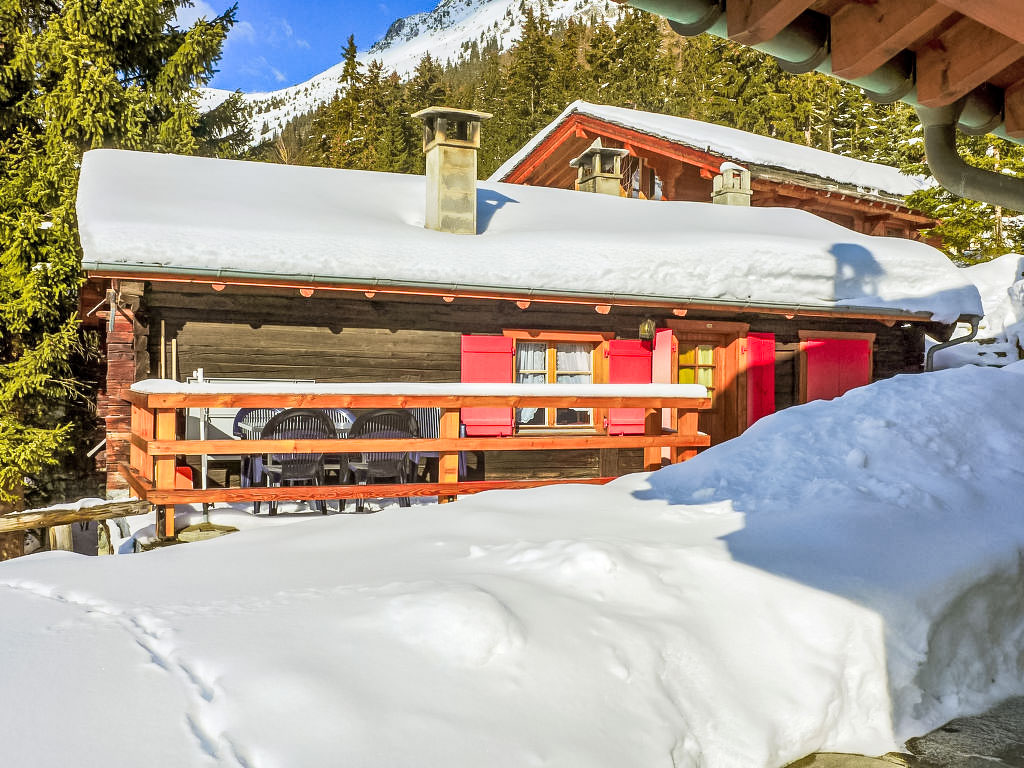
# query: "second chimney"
[[599, 169], [731, 186], [451, 138]]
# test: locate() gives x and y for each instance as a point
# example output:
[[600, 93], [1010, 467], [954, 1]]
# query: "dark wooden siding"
[[333, 336], [340, 338]]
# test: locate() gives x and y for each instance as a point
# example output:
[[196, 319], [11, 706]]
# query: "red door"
[[835, 366]]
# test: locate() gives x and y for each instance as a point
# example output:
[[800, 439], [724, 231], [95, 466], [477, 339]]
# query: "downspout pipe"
[[953, 173], [929, 358]]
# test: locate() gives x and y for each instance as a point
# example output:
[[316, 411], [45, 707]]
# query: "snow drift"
[[844, 575]]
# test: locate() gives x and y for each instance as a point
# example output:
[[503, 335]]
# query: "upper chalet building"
[[674, 158]]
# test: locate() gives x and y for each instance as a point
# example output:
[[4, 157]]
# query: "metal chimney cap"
[[451, 113]]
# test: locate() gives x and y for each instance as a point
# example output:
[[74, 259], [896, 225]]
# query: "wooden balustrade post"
[[652, 426], [448, 461], [163, 467], [686, 424], [142, 426]]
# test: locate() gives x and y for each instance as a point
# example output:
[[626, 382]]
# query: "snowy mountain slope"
[[447, 33]]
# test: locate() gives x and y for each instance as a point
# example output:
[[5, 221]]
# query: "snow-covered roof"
[[144, 213], [733, 144]]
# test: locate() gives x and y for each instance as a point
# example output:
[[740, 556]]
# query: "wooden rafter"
[[1014, 110], [960, 59], [865, 36], [521, 173], [754, 21], [660, 146], [1003, 16]]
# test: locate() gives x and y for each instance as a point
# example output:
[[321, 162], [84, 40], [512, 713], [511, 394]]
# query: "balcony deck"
[[156, 442]]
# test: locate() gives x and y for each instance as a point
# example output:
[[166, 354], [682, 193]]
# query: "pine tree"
[[637, 65], [73, 76], [529, 70], [427, 87], [974, 231]]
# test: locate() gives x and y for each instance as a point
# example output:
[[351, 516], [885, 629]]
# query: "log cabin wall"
[[127, 361], [334, 336]]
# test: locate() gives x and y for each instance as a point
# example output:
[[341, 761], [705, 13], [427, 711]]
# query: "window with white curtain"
[[554, 362]]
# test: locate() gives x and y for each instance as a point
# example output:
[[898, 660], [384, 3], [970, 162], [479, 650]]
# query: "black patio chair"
[[249, 423], [429, 421], [395, 466], [296, 468]]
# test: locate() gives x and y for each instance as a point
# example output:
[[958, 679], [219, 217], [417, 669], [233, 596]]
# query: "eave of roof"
[[224, 277]]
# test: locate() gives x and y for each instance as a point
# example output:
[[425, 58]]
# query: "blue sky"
[[277, 43]]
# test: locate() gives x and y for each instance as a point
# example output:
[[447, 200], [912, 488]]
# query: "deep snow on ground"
[[1001, 331], [842, 576]]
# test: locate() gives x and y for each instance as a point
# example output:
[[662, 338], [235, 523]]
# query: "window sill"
[[555, 431]]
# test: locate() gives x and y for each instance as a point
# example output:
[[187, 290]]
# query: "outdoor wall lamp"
[[647, 329]]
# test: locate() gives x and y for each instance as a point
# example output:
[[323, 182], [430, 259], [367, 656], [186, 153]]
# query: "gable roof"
[[757, 152], [161, 216]]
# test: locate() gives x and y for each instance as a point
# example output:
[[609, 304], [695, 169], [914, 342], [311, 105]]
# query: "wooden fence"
[[156, 444]]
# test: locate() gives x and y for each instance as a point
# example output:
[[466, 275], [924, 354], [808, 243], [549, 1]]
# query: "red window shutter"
[[629, 362], [760, 375], [488, 359], [663, 357], [835, 366]]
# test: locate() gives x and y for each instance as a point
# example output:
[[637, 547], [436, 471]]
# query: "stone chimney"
[[731, 185], [599, 169], [451, 138]]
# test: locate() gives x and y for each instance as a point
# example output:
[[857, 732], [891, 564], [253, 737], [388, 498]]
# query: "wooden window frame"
[[714, 365], [598, 372]]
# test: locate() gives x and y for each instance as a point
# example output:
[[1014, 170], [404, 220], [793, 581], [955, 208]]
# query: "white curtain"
[[573, 357], [530, 356]]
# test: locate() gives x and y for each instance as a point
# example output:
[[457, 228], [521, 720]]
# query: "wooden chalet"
[[674, 158], [350, 288]]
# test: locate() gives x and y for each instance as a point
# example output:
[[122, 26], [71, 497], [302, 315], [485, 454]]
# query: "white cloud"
[[281, 34], [187, 16], [259, 67], [243, 30]]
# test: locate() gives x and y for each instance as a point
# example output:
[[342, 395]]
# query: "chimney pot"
[[599, 169], [731, 186], [451, 138]]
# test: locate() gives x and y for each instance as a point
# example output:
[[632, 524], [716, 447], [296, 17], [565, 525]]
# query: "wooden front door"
[[710, 354]]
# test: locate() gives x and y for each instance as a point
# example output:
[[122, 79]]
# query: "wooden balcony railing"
[[156, 444]]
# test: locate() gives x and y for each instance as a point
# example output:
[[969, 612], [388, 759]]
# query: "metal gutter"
[[456, 290], [805, 46]]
